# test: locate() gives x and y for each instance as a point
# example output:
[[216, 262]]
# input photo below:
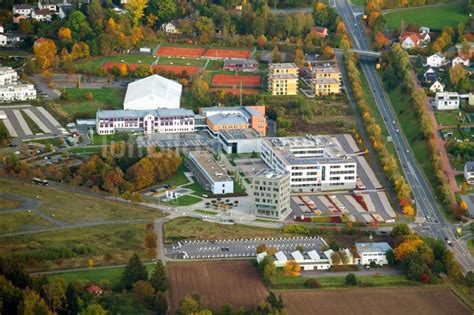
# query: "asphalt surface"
[[427, 207]]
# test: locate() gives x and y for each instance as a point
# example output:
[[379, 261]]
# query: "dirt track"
[[217, 283], [417, 301]]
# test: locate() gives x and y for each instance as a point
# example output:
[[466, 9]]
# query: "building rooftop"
[[372, 247], [239, 134], [240, 61], [282, 66], [324, 150], [154, 89], [270, 173], [286, 76], [210, 166], [228, 119], [131, 113], [469, 166], [325, 69], [326, 81]]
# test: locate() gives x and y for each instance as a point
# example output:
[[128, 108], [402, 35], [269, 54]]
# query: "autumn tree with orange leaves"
[[45, 52]]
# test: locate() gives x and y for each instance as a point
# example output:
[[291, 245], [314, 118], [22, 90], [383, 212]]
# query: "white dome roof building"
[[153, 92]]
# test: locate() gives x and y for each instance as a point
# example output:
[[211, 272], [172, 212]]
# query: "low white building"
[[209, 173], [17, 92], [311, 260], [436, 86], [153, 92], [164, 120], [447, 101], [240, 140], [8, 76], [373, 252], [469, 172], [461, 61], [22, 9], [436, 60], [42, 15]]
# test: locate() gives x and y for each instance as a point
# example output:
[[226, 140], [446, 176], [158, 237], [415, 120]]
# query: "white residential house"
[[373, 252], [22, 9], [47, 5], [2, 29], [459, 60], [436, 86], [436, 60], [42, 15], [447, 101], [310, 260], [8, 76], [469, 172], [3, 40], [17, 92], [169, 28]]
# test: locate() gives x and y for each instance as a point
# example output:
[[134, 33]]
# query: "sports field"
[[180, 51], [432, 17], [227, 53], [235, 80], [235, 91]]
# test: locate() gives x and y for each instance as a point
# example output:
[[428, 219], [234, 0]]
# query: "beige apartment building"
[[283, 79], [326, 80]]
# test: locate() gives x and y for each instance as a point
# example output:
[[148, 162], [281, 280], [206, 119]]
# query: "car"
[[408, 151], [332, 196], [393, 122], [449, 242], [397, 130]]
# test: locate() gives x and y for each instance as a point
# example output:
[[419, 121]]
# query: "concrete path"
[[49, 116], [23, 125], [8, 125]]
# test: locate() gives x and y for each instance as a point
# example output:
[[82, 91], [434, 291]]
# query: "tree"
[[55, 292], [72, 300], [351, 279], [261, 41], [11, 296], [136, 8], [312, 283], [164, 10], [94, 309], [25, 26], [32, 303], [408, 246], [144, 292], [456, 74], [159, 278], [190, 304], [45, 52], [380, 40], [400, 230], [299, 58], [261, 248], [64, 34], [133, 272], [205, 28], [160, 305], [276, 56], [200, 91]]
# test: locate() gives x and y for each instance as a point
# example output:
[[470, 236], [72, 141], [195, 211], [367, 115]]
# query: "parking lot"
[[18, 127], [239, 248]]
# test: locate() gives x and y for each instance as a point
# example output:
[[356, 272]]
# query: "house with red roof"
[[409, 40], [321, 31], [94, 289]]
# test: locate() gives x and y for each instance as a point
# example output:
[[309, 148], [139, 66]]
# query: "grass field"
[[33, 126], [282, 281], [6, 203], [73, 208], [192, 228], [432, 17], [84, 150], [181, 61], [198, 189], [22, 221], [448, 118], [94, 63], [358, 2], [184, 201], [79, 106], [107, 139], [72, 248], [111, 275], [179, 178], [217, 283], [422, 300]]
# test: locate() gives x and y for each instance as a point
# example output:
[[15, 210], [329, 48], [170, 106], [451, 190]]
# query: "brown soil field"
[[217, 282], [419, 301]]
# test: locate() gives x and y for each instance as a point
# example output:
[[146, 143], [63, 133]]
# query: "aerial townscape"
[[236, 157]]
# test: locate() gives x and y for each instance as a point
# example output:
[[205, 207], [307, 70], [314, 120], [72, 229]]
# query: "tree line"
[[397, 72], [374, 131]]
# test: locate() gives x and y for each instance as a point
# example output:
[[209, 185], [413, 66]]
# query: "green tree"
[[159, 278], [55, 292], [72, 300], [400, 230], [205, 28], [133, 272], [94, 309], [160, 305], [25, 26], [190, 304], [276, 56], [11, 297], [32, 303], [164, 10], [351, 279], [136, 8]]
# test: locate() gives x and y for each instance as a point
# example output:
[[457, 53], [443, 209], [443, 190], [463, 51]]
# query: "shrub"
[[351, 279], [312, 283], [296, 229]]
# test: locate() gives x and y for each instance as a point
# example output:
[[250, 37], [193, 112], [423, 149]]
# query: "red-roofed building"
[[321, 31], [94, 289], [409, 40]]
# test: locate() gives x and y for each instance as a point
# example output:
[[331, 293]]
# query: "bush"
[[312, 283], [296, 229], [351, 279]]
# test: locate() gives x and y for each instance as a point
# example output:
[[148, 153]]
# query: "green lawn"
[[72, 248], [107, 139], [184, 201], [22, 221], [55, 142], [85, 150], [358, 2], [192, 228], [470, 245], [449, 118], [179, 178], [205, 212], [33, 126], [111, 275], [282, 281], [181, 61], [198, 189], [432, 17], [80, 107]]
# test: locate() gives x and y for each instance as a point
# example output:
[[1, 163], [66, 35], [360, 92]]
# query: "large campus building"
[[162, 120], [8, 76], [315, 163], [151, 93], [271, 190], [283, 79], [326, 80], [207, 171], [242, 117], [17, 92]]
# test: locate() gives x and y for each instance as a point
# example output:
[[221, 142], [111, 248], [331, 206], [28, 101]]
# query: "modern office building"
[[17, 92], [8, 76], [315, 163], [240, 140], [241, 117], [271, 190], [164, 120], [207, 171], [283, 79], [153, 92]]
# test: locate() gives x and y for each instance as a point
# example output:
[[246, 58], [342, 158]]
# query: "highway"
[[433, 222]]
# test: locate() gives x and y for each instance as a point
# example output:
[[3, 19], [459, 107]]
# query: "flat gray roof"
[[210, 166]]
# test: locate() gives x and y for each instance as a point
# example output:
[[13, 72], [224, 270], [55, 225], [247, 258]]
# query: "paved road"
[[425, 201]]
